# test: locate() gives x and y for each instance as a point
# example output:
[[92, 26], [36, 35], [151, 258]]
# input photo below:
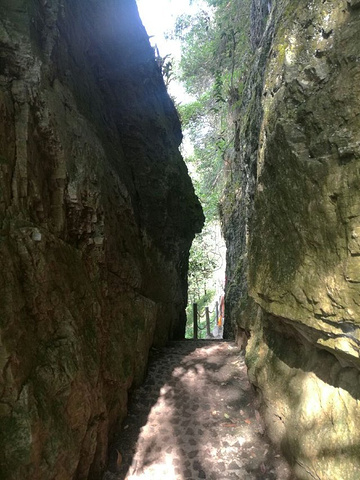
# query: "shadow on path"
[[194, 418]]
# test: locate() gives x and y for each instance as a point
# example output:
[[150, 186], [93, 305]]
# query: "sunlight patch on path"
[[195, 418]]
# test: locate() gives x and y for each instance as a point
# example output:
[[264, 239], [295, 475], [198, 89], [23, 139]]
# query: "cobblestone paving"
[[195, 418]]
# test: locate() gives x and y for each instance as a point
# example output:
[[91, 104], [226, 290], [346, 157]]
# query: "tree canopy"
[[215, 57], [215, 51]]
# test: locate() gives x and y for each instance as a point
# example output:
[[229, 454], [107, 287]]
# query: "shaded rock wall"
[[97, 214], [293, 210]]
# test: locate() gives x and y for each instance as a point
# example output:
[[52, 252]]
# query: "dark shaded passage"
[[194, 418]]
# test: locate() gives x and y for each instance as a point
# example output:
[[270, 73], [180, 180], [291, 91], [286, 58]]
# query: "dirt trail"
[[195, 418]]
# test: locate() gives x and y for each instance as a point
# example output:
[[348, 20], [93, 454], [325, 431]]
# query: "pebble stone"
[[195, 417]]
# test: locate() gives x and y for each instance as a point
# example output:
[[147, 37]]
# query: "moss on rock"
[[292, 233]]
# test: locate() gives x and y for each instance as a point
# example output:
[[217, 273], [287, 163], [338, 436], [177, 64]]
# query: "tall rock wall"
[[97, 214], [291, 219]]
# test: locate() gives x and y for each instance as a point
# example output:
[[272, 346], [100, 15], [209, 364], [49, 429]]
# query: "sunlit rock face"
[[97, 214], [294, 279]]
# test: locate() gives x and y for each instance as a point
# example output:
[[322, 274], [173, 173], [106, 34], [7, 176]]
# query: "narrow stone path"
[[195, 418]]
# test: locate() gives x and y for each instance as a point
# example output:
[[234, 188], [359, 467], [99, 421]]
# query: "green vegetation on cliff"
[[215, 56], [213, 66]]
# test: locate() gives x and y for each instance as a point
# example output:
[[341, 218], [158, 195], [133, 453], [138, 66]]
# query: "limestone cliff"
[[291, 219], [97, 214]]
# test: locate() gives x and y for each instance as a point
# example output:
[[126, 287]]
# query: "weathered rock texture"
[[292, 222], [97, 214]]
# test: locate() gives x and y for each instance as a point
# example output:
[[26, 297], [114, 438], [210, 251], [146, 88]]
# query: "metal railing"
[[197, 316]]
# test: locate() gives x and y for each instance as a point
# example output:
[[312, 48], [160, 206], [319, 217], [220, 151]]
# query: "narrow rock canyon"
[[97, 216]]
